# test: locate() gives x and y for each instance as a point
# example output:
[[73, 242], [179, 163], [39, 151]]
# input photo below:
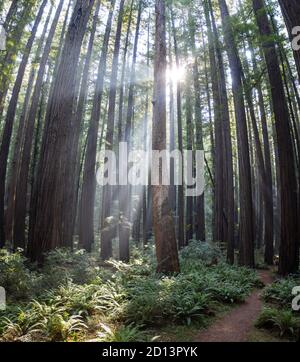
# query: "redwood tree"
[[86, 213], [164, 231], [106, 236], [246, 250], [21, 186], [10, 116], [289, 247], [49, 221]]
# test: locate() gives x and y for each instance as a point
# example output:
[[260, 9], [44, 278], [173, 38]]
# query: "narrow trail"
[[236, 325]]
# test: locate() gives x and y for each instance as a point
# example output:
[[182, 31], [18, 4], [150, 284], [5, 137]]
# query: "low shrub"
[[71, 288], [204, 251], [123, 333], [280, 292], [64, 264], [152, 302], [283, 322], [50, 322], [19, 282], [85, 299], [188, 296]]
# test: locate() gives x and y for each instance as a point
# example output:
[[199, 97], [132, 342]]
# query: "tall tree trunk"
[[61, 41], [38, 132], [269, 234], [49, 219], [10, 116], [218, 144], [200, 213], [172, 190], [10, 14], [268, 191], [289, 247], [211, 128], [181, 240], [164, 230], [21, 186], [106, 235], [246, 247], [263, 188], [125, 191], [147, 189], [121, 96], [15, 33], [80, 112], [86, 213], [228, 194], [189, 220], [18, 144]]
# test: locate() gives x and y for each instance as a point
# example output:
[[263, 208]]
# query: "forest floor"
[[76, 298], [231, 323], [238, 324]]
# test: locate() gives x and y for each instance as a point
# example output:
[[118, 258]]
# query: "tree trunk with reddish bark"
[[164, 230], [49, 222], [289, 245]]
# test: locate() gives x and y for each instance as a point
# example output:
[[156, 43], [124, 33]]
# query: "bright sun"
[[176, 74]]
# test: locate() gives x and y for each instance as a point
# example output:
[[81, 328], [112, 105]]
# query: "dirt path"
[[236, 326]]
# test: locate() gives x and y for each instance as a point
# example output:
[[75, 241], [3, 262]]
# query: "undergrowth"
[[278, 315], [62, 301]]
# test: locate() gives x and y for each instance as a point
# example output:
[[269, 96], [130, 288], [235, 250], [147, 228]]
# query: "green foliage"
[[284, 322], [126, 333], [15, 40], [86, 299], [155, 300], [280, 292], [72, 289], [61, 266], [207, 252], [77, 266], [50, 322], [279, 317], [18, 281], [190, 295], [59, 329]]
